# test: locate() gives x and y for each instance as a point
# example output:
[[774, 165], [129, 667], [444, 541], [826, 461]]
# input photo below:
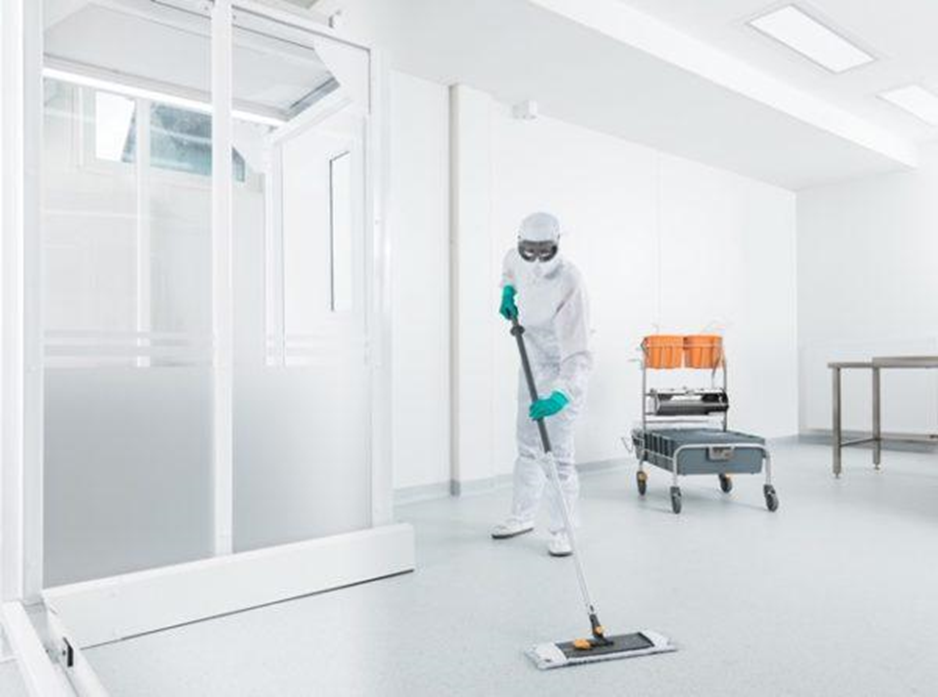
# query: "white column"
[[21, 483], [222, 290], [32, 302], [11, 383], [474, 290], [379, 291]]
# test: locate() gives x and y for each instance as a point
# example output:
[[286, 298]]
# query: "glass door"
[[302, 369]]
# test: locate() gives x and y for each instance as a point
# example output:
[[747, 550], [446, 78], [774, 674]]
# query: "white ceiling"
[[776, 117], [902, 34], [517, 50]]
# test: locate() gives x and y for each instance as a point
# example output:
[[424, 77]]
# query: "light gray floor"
[[836, 594], [11, 684]]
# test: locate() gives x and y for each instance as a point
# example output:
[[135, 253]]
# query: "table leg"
[[836, 437], [877, 420]]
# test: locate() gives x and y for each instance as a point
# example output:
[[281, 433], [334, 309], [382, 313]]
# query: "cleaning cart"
[[686, 431]]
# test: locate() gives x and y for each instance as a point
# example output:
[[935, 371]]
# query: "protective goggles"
[[539, 251]]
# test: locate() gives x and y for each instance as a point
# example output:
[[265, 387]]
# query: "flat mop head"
[[546, 656]]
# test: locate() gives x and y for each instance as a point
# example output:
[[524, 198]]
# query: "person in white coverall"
[[546, 293]]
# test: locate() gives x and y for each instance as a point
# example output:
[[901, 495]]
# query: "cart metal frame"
[[650, 416]]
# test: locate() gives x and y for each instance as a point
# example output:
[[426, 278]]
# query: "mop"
[[598, 647]]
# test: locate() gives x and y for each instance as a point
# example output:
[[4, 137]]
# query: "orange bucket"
[[663, 351], [703, 351]]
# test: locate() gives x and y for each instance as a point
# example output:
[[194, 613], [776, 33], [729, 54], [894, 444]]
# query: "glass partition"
[[127, 292]]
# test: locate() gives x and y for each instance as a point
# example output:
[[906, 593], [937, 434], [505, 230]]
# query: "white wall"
[[418, 225], [663, 242], [866, 254]]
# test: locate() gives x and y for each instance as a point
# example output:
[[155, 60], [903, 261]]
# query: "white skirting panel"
[[115, 608]]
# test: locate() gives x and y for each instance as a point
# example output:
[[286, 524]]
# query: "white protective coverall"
[[554, 310]]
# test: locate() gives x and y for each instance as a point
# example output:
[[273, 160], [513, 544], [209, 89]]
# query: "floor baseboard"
[[429, 492]]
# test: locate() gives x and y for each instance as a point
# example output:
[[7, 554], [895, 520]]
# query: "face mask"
[[540, 269]]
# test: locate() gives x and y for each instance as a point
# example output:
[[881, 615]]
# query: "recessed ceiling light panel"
[[916, 100], [813, 40]]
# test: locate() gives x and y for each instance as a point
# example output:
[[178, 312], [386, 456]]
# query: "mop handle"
[[517, 331]]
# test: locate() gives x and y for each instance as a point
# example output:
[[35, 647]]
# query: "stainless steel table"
[[875, 366]]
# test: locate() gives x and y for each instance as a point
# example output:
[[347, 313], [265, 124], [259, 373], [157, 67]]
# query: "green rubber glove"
[[543, 408], [508, 308]]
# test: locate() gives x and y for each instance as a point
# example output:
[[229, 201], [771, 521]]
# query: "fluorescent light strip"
[[807, 36], [153, 95], [916, 100]]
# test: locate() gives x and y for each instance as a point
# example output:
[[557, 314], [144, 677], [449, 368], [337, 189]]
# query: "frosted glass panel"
[[126, 481], [126, 292], [302, 392]]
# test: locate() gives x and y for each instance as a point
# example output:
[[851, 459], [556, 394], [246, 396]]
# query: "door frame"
[[47, 641]]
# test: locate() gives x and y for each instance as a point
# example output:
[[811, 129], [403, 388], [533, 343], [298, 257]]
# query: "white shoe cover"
[[559, 545], [511, 528]]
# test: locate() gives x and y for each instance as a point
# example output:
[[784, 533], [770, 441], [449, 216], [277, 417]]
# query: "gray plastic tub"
[[715, 454]]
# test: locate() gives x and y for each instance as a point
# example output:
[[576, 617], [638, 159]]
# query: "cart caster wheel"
[[771, 498], [641, 479], [676, 499], [726, 484]]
